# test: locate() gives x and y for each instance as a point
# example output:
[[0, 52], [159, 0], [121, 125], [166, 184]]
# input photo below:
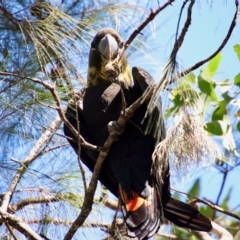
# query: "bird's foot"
[[114, 127]]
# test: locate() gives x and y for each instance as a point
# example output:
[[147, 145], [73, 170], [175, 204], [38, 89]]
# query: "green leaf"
[[224, 203], [206, 85], [237, 50], [238, 126], [214, 64], [237, 80], [178, 100], [195, 189], [226, 98], [205, 103], [225, 86], [206, 210], [218, 128], [191, 78], [219, 113]]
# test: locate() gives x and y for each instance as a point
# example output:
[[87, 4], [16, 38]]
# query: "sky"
[[210, 23]]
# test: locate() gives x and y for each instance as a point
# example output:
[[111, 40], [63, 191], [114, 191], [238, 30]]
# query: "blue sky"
[[210, 23]]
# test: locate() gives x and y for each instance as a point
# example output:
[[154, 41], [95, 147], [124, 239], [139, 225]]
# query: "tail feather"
[[186, 216], [142, 216]]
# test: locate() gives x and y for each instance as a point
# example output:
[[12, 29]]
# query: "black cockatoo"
[[128, 170]]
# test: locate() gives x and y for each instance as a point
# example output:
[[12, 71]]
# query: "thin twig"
[[19, 224], [51, 88], [79, 150], [211, 205], [220, 191], [224, 42], [28, 160], [10, 231], [169, 236], [180, 39], [150, 17]]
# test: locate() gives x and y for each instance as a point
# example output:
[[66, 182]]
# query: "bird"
[[128, 171]]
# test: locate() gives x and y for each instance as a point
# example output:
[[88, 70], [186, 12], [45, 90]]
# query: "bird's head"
[[107, 60]]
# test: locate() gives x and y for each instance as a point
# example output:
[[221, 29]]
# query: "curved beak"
[[108, 48]]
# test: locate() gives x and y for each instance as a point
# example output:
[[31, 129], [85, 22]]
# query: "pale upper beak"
[[108, 48]]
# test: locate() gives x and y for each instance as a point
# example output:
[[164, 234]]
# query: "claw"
[[114, 127]]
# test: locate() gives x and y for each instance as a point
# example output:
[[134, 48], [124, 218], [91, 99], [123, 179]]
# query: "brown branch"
[[44, 151], [220, 191], [66, 222], [169, 236], [9, 228], [111, 204], [9, 16], [211, 205], [179, 41], [88, 198], [224, 42], [61, 113], [36, 200], [150, 17], [19, 224], [27, 161]]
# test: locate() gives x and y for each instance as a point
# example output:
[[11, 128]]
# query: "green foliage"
[[206, 84], [237, 50], [218, 128], [238, 126], [237, 80], [206, 210], [213, 65], [195, 189]]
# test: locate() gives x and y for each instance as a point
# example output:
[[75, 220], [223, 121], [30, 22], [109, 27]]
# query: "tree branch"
[[220, 191], [222, 45], [150, 17], [27, 161], [19, 224], [211, 205], [61, 113], [178, 43]]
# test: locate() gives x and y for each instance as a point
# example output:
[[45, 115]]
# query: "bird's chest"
[[101, 104]]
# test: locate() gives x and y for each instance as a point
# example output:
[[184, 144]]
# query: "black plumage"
[[127, 170]]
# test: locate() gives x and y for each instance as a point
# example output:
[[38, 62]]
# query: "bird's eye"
[[115, 55], [121, 44]]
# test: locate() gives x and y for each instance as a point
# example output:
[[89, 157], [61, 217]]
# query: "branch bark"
[[19, 224]]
